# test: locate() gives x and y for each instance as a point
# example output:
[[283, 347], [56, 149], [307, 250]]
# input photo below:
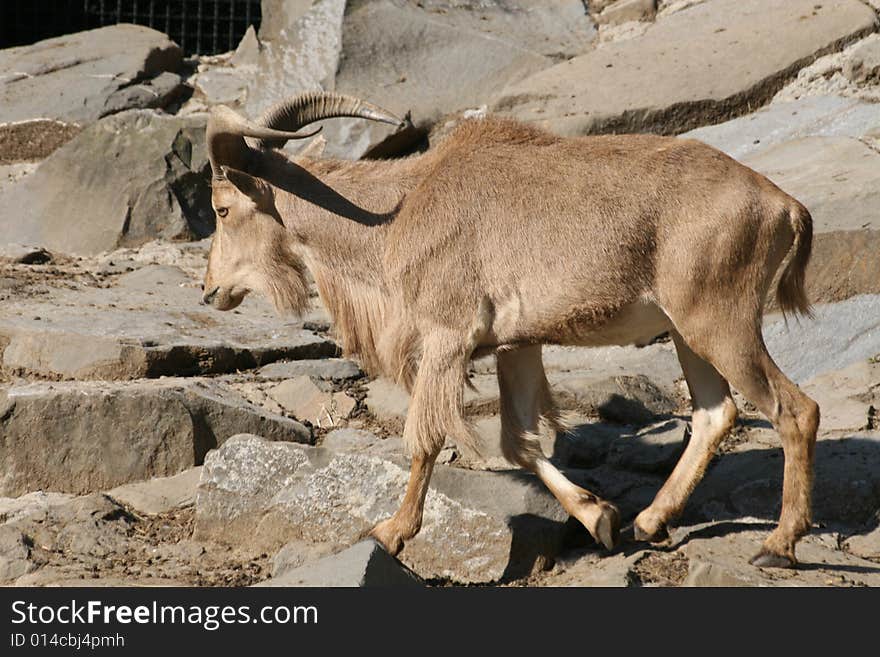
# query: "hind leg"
[[743, 360], [526, 405], [714, 414]]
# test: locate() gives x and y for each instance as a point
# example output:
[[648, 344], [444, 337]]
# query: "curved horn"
[[225, 138], [299, 111]]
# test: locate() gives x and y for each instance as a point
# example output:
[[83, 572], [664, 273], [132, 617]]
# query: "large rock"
[[409, 58], [145, 323], [306, 401], [434, 58], [326, 369], [848, 398], [78, 437], [15, 554], [779, 122], [837, 178], [84, 76], [844, 264], [669, 80], [653, 449], [364, 564], [478, 526], [839, 335], [160, 494], [125, 180], [851, 72], [297, 50], [863, 65], [624, 11]]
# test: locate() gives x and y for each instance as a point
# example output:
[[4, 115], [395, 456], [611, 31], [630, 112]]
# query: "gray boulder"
[[668, 79], [80, 437], [863, 64], [84, 76], [844, 264], [478, 526], [160, 494], [15, 554], [779, 122], [327, 369], [130, 178], [836, 178], [364, 564], [297, 50], [839, 335]]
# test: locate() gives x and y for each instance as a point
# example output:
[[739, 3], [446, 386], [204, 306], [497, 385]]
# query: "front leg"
[[403, 525], [436, 410]]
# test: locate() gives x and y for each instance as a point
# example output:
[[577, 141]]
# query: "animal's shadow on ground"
[[740, 489]]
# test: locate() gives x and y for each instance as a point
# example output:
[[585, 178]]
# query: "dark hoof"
[[657, 537], [771, 560], [608, 527]]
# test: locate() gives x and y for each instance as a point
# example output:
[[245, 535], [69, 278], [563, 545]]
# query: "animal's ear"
[[315, 148], [259, 191]]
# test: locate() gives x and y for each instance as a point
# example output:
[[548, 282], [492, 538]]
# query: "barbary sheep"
[[502, 238]]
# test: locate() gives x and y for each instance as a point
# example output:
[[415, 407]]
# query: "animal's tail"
[[790, 292]]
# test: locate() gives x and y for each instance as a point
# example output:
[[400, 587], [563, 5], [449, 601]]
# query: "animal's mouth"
[[208, 298]]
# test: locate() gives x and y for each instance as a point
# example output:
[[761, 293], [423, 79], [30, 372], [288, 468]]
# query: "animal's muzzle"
[[207, 299]]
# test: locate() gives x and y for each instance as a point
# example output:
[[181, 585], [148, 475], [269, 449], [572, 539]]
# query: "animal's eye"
[[222, 212]]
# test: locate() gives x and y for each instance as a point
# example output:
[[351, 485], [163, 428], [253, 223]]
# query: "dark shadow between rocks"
[[527, 554]]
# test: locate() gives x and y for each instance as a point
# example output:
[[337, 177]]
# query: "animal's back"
[[540, 223]]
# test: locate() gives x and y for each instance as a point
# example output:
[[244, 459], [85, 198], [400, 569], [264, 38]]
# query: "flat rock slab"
[[148, 324], [707, 63], [160, 494], [84, 436], [779, 122], [836, 178], [17, 508], [84, 76], [364, 564], [848, 398], [304, 400], [326, 369], [478, 526], [839, 335]]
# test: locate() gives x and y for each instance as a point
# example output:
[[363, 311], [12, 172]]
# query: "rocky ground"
[[148, 440]]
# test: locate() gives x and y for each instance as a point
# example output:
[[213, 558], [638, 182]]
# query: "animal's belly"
[[638, 322]]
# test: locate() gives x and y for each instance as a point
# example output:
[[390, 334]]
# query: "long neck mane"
[[339, 212]]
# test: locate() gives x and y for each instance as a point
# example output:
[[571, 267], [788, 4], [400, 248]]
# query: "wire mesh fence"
[[198, 26]]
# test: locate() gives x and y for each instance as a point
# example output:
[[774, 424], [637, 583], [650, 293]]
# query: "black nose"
[[209, 297]]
